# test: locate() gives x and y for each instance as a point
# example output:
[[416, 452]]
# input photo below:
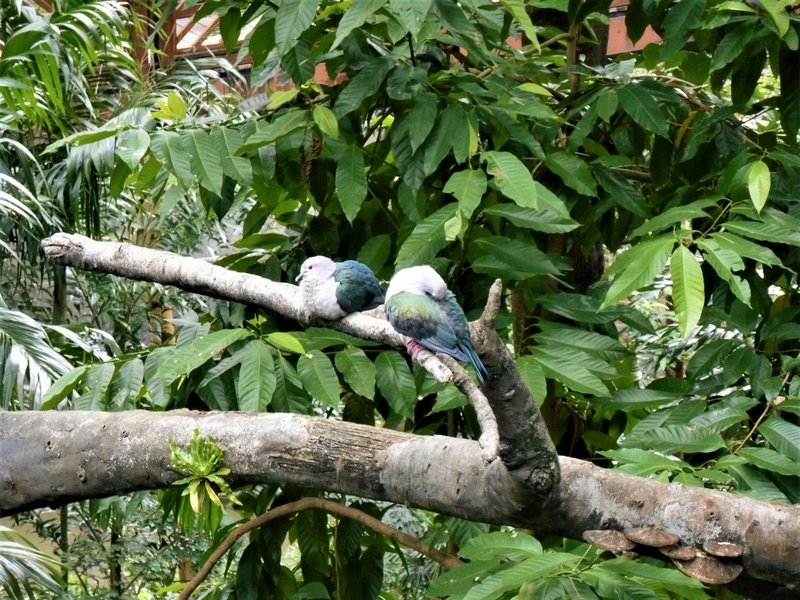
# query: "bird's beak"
[[299, 277]]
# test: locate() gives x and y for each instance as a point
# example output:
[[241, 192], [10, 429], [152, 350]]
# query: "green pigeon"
[[333, 290], [419, 305]]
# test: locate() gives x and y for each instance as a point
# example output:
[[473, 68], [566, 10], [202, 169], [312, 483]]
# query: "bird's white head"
[[422, 280], [316, 268]]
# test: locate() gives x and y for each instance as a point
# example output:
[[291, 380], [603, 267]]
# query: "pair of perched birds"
[[417, 304]]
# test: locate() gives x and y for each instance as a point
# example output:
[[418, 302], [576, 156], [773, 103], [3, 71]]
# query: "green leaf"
[[746, 248], [535, 567], [784, 436], [533, 376], [127, 384], [636, 398], [725, 261], [368, 81], [62, 388], [168, 149], [758, 184], [510, 545], [187, 358], [283, 126], [688, 292], [643, 109], [573, 172], [752, 482], [227, 142], [423, 116], [538, 220], [396, 383], [679, 22], [517, 10], [460, 580], [677, 214], [204, 159], [569, 372], [354, 17], [286, 341], [468, 187], [777, 10], [767, 232], [293, 18], [682, 438], [770, 460], [427, 238], [621, 191], [637, 456], [326, 120], [97, 380], [91, 136], [133, 146], [375, 252], [511, 259], [512, 177], [358, 371], [644, 263], [595, 344], [318, 377], [671, 579], [351, 181], [256, 377]]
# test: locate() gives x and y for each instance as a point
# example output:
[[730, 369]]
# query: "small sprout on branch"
[[200, 461]]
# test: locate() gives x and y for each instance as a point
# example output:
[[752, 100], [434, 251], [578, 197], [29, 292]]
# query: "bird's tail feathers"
[[476, 363]]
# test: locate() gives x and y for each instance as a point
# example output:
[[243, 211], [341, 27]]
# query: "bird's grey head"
[[316, 268], [422, 280]]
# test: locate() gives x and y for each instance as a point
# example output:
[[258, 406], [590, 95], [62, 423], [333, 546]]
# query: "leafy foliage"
[[414, 132]]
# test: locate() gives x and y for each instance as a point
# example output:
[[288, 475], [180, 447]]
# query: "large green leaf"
[[283, 126], [167, 147], [368, 81], [725, 261], [351, 181], [326, 120], [132, 147], [227, 142], [596, 344], [354, 17], [97, 381], [535, 567], [62, 388], [621, 191], [468, 187], [187, 358], [643, 109], [256, 377], [758, 183], [784, 436], [318, 377], [516, 8], [777, 10], [423, 116], [765, 232], [682, 438], [538, 220], [358, 371], [636, 398], [640, 267], [501, 544], [688, 292], [681, 19], [770, 460], [569, 372], [511, 259], [533, 376], [573, 171], [512, 177], [396, 383], [745, 248], [427, 238], [293, 18], [204, 159]]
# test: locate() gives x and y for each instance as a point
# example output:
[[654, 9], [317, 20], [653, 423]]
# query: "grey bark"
[[54, 457], [58, 457]]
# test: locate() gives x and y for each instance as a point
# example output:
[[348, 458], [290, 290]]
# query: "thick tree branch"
[[145, 264], [50, 458], [448, 561]]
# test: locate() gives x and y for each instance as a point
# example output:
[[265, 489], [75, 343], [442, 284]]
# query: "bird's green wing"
[[358, 287], [421, 318]]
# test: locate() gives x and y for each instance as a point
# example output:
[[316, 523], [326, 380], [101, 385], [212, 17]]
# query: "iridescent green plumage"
[[419, 306]]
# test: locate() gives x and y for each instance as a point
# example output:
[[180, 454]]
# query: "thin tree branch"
[[448, 561]]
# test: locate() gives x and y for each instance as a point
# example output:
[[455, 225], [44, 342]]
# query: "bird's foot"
[[490, 446], [414, 348]]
